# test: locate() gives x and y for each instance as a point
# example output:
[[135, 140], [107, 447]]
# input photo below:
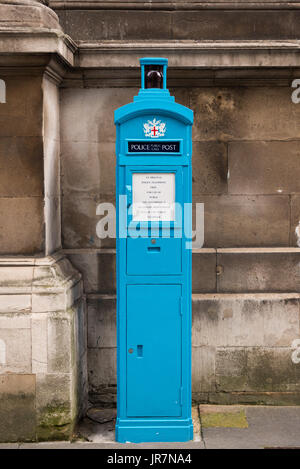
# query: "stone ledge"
[[227, 270], [172, 5], [41, 277], [259, 398], [190, 54], [20, 40]]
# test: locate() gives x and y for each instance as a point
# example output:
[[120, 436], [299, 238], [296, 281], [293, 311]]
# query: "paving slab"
[[268, 427]]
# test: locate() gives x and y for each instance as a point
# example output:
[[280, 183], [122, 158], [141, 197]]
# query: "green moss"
[[55, 423], [229, 420]]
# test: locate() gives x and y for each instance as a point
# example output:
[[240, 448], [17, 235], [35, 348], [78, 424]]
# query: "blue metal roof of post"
[[153, 61], [163, 106]]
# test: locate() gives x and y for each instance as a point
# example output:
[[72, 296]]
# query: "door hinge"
[[181, 396], [181, 306]]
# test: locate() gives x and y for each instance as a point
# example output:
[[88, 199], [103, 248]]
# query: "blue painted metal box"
[[154, 193]]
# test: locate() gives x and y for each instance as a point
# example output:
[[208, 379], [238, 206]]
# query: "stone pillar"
[[42, 307]]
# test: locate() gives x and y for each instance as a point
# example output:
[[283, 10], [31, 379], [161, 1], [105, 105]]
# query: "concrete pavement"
[[216, 427]]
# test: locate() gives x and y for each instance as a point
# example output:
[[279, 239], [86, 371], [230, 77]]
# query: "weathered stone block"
[[259, 167], [203, 369], [15, 321], [272, 369], [112, 25], [256, 369], [21, 116], [21, 163], [234, 24], [53, 405], [223, 321], [233, 221], [231, 369], [88, 167], [17, 356], [98, 270], [20, 279], [195, 24], [17, 407], [209, 168], [45, 302], [39, 337], [15, 303], [79, 221], [102, 322], [204, 277], [102, 367], [258, 320], [241, 113], [255, 270], [22, 225], [28, 15], [182, 95], [96, 108], [59, 343], [281, 322]]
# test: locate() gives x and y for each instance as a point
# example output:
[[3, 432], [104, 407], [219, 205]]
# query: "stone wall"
[[43, 349], [22, 169], [246, 171], [43, 353], [90, 20]]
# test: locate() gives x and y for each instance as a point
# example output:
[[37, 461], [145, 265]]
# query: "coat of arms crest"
[[154, 128]]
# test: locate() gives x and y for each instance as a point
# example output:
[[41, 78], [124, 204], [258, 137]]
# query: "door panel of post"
[[154, 256], [154, 350]]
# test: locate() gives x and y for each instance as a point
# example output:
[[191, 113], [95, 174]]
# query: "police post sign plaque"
[[153, 174], [153, 196], [154, 147]]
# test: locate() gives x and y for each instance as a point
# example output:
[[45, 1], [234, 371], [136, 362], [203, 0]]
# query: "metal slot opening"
[[154, 249]]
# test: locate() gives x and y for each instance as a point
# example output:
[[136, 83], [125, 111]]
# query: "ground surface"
[[215, 427]]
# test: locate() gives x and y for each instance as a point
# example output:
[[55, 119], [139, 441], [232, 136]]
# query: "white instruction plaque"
[[153, 196]]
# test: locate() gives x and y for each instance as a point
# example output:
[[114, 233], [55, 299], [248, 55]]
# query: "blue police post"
[[153, 175]]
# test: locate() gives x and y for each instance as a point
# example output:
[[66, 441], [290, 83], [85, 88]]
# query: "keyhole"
[[130, 350]]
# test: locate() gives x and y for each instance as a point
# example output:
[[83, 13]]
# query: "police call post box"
[[154, 186]]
